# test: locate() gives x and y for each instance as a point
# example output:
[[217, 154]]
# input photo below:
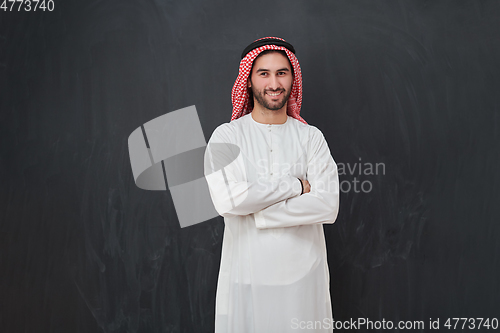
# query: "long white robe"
[[274, 273]]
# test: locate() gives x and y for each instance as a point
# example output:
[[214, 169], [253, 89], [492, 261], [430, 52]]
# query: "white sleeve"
[[226, 174], [320, 205]]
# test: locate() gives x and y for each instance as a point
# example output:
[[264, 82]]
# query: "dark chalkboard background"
[[410, 84]]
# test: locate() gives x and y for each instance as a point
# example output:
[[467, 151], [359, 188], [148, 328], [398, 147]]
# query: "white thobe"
[[274, 273]]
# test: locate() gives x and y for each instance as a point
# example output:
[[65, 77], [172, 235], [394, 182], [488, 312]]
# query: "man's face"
[[271, 80]]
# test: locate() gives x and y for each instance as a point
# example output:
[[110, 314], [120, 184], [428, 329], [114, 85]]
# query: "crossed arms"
[[274, 203]]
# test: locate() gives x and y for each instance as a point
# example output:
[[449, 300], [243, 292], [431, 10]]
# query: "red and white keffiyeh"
[[240, 96]]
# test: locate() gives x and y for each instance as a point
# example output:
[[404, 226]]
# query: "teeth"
[[275, 94]]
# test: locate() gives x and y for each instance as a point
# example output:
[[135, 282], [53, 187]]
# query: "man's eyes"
[[279, 73]]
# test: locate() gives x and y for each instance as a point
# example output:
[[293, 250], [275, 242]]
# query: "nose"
[[273, 82]]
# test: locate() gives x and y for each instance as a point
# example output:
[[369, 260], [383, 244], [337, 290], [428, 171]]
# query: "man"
[[273, 179]]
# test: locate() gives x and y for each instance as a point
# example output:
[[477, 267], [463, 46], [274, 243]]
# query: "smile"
[[274, 94]]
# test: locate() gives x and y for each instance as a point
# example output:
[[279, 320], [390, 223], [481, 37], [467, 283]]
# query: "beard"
[[274, 105]]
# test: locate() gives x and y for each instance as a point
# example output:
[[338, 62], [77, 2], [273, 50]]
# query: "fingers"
[[306, 185]]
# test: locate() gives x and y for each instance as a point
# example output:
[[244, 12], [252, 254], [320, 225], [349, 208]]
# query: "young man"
[[273, 179]]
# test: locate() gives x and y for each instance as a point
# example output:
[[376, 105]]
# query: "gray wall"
[[410, 84]]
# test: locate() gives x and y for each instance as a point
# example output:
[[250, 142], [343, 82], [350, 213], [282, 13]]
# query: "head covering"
[[240, 95]]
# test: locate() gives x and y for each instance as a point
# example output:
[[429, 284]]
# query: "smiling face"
[[271, 80]]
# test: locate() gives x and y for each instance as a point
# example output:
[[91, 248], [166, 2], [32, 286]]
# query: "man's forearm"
[[233, 198]]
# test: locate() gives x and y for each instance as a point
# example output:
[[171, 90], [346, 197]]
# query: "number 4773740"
[[471, 323], [27, 5]]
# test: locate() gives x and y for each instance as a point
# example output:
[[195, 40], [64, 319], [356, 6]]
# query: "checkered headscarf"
[[240, 95]]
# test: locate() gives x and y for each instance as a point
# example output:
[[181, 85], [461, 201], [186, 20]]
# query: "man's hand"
[[307, 186]]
